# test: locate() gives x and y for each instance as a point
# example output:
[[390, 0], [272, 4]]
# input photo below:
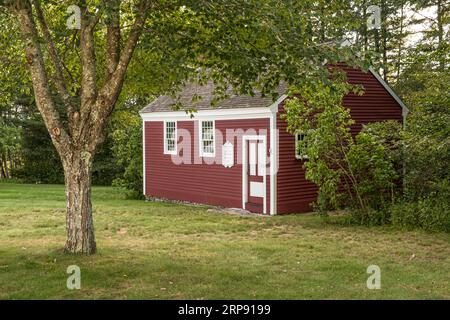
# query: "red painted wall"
[[198, 182], [294, 192]]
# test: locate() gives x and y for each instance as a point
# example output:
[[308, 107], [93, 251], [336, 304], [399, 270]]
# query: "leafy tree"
[[246, 44], [424, 86], [78, 78], [375, 159], [10, 143], [40, 161], [105, 169], [127, 149], [358, 172], [428, 139], [436, 37], [388, 40], [317, 111]]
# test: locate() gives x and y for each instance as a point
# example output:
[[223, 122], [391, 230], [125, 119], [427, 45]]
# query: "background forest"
[[411, 52]]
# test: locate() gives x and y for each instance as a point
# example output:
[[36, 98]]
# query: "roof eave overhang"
[[231, 113], [249, 113]]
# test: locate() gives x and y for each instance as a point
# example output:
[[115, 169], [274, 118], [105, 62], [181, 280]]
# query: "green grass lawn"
[[167, 251]]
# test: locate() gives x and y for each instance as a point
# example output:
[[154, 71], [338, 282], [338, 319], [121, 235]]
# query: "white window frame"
[[299, 156], [166, 151], [200, 139]]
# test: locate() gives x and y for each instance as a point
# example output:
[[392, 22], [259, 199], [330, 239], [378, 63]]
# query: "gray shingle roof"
[[206, 92]]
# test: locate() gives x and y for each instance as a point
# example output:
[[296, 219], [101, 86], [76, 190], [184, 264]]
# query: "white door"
[[255, 174]]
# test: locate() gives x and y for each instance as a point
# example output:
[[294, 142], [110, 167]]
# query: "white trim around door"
[[245, 191]]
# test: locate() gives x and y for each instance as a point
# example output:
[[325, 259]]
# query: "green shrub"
[[371, 217], [374, 169], [127, 150], [41, 162], [427, 139], [431, 213]]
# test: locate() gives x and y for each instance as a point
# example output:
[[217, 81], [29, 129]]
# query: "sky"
[[428, 14]]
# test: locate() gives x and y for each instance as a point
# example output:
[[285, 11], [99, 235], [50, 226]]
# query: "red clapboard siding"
[[294, 192], [199, 182]]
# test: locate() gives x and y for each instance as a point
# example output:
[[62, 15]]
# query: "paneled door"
[[255, 180]]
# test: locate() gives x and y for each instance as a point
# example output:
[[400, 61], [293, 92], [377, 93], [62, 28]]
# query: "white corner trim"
[[143, 158], [244, 173], [405, 109], [273, 160], [165, 138], [274, 107]]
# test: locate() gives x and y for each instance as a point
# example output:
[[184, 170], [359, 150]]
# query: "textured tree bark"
[[440, 25], [384, 36], [400, 42], [5, 166], [76, 143], [79, 220], [2, 170]]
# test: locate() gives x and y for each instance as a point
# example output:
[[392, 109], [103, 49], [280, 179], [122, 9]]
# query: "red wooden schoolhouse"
[[237, 154]]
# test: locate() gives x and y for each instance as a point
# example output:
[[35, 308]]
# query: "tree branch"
[[35, 60], [112, 87], [110, 91], [88, 71], [59, 81], [113, 37], [88, 61]]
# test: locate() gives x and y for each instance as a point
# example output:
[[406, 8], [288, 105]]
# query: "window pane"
[[170, 145], [207, 137], [170, 136], [207, 124], [252, 158], [261, 159], [299, 146], [208, 146], [207, 134]]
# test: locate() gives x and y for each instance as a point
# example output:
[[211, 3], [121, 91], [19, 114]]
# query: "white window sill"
[[207, 155]]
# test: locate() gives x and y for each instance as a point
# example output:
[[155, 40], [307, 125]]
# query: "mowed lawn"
[[168, 251]]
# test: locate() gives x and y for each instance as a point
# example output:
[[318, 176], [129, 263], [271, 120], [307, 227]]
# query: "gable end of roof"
[[405, 109]]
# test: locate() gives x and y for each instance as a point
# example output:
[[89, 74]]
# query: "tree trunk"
[[364, 30], [79, 221], [11, 164], [77, 141], [5, 166], [440, 34], [384, 37], [400, 42], [2, 171]]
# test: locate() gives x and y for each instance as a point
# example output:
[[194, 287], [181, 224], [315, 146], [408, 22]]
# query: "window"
[[300, 146], [207, 138], [170, 135]]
